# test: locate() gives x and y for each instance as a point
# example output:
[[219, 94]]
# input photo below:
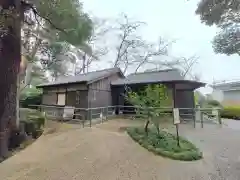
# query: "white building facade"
[[228, 94]]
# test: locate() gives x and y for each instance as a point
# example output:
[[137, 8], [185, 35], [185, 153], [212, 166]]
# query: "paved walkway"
[[233, 124], [105, 152]]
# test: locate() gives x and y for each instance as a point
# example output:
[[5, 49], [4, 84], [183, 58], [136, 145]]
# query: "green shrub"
[[213, 103], [32, 115], [32, 120], [31, 100], [231, 112], [165, 144], [30, 96]]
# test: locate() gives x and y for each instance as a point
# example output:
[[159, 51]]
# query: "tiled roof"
[[151, 77], [87, 77]]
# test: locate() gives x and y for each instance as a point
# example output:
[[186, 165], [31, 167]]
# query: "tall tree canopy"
[[225, 14], [66, 18]]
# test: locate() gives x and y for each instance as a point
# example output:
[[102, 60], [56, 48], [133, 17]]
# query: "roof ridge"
[[98, 71], [149, 72]]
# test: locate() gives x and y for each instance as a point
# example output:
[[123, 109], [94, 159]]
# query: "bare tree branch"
[[46, 19], [128, 38]]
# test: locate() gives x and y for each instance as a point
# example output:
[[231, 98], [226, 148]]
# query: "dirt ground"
[[103, 152]]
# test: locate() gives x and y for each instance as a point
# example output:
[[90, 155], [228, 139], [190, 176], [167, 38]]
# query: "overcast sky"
[[174, 19]]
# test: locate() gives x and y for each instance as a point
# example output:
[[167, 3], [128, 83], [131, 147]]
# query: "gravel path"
[[105, 152]]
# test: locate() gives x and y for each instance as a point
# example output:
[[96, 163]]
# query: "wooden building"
[[107, 88], [88, 90]]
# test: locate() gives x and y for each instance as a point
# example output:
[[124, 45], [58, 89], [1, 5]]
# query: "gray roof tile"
[[88, 77], [151, 77]]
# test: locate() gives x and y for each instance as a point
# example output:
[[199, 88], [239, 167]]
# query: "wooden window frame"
[[63, 93], [94, 95]]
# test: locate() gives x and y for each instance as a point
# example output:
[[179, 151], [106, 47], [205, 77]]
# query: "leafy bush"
[[30, 96], [31, 100], [231, 112], [32, 121], [165, 144], [213, 103]]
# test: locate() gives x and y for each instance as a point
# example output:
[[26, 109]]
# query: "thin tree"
[[135, 53], [148, 103]]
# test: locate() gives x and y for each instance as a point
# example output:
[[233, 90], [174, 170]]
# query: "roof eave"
[[201, 84], [60, 84]]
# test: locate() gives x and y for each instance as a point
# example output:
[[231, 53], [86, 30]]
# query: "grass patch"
[[165, 144]]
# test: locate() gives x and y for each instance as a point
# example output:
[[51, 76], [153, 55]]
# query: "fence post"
[[59, 114], [201, 116], [195, 111], [83, 121], [45, 118], [107, 113], [90, 117], [101, 115], [219, 117]]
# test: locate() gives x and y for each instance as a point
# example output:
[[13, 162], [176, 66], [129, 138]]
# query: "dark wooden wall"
[[50, 94], [100, 92], [185, 99]]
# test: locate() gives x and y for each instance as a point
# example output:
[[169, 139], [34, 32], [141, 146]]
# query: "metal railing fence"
[[90, 116]]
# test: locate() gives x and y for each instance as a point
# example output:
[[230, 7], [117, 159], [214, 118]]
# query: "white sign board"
[[68, 112], [198, 115], [176, 117]]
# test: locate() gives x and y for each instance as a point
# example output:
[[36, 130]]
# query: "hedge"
[[231, 112]]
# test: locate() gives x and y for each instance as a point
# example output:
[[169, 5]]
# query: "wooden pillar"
[[175, 106], [174, 94]]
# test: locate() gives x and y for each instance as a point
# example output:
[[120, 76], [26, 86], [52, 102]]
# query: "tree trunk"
[[10, 55], [84, 63], [146, 126], [18, 101], [158, 130]]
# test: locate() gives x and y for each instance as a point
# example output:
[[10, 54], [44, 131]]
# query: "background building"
[[227, 93]]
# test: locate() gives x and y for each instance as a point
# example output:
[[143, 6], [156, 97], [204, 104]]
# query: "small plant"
[[147, 103], [165, 144]]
